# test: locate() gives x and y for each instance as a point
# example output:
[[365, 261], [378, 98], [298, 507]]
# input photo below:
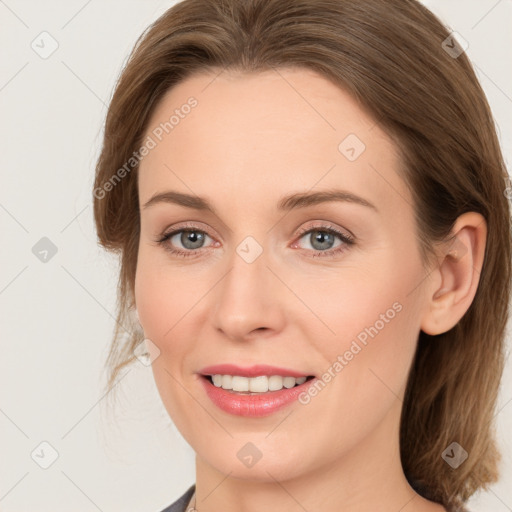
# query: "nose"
[[249, 300]]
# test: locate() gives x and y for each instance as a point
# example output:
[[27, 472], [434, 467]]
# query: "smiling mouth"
[[255, 385]]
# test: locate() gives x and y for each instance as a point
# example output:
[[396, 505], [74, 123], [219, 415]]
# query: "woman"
[[308, 200]]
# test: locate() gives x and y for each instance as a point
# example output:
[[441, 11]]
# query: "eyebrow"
[[291, 202]]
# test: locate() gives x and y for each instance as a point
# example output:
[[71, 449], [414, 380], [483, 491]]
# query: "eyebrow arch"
[[294, 201], [302, 200]]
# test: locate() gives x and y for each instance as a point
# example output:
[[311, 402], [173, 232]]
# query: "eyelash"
[[346, 239]]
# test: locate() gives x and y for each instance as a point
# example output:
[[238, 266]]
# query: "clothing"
[[181, 504]]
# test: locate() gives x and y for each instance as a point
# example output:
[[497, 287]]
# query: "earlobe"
[[458, 272]]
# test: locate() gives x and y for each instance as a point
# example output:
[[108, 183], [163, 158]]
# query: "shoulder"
[[180, 504]]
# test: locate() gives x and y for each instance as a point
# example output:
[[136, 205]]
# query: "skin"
[[252, 139]]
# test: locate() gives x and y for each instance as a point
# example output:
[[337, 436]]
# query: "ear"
[[455, 281]]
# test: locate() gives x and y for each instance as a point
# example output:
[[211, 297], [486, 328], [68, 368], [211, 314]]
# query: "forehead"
[[286, 129]]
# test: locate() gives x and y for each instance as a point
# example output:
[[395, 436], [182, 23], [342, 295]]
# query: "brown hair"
[[390, 55]]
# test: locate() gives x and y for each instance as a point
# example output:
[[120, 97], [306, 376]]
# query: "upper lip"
[[250, 371]]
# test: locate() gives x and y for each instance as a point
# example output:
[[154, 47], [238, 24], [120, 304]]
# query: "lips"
[[253, 404], [251, 371]]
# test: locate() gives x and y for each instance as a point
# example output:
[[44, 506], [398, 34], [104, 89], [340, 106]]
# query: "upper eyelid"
[[185, 227]]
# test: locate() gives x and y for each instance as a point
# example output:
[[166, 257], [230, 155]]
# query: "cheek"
[[366, 371], [163, 294], [162, 311], [154, 306], [373, 319], [165, 299]]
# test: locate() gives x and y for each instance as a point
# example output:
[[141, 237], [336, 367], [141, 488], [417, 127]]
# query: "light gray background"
[[58, 316]]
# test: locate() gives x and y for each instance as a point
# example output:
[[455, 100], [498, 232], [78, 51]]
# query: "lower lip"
[[261, 404]]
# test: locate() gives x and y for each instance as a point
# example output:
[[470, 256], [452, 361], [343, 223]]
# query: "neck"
[[367, 478]]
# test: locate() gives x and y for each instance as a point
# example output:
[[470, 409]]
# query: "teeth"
[[226, 381], [256, 384], [289, 382], [260, 384], [240, 383], [275, 383]]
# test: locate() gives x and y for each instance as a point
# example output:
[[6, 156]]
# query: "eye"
[[184, 242], [187, 241], [321, 239]]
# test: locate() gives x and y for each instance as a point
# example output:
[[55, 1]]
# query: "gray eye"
[[190, 239], [320, 239]]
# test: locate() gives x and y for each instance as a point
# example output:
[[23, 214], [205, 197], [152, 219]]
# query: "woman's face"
[[261, 277]]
